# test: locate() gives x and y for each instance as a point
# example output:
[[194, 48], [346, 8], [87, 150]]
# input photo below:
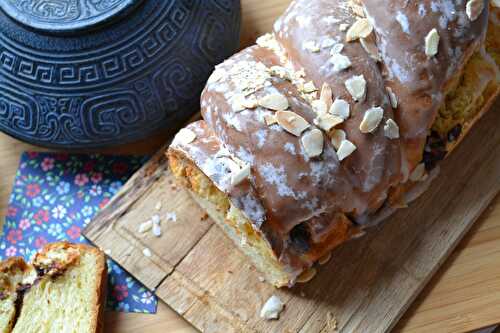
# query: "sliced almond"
[[240, 103], [371, 119], [327, 43], [337, 136], [340, 62], [346, 149], [312, 46], [474, 8], [307, 276], [184, 137], [276, 102], [371, 48], [391, 129], [239, 175], [337, 48], [360, 29], [309, 87], [326, 95], [418, 173], [292, 122], [432, 43], [319, 106], [145, 226], [393, 98], [340, 108], [343, 27], [270, 119], [324, 259], [327, 121], [356, 86], [281, 72], [313, 142]]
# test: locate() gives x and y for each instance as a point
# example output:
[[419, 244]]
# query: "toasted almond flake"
[[184, 137], [157, 230], [337, 48], [313, 142], [145, 226], [418, 173], [270, 119], [340, 62], [371, 119], [356, 86], [272, 308], [371, 48], [309, 87], [292, 122], [239, 175], [340, 108], [307, 276], [337, 136], [474, 8], [261, 279], [432, 43], [327, 121], [391, 129], [311, 46], [324, 259], [319, 106], [346, 148], [326, 95], [281, 72], [276, 102], [327, 43], [147, 252], [360, 29], [343, 27], [393, 98]]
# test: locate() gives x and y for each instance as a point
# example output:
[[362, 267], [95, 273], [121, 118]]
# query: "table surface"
[[465, 292]]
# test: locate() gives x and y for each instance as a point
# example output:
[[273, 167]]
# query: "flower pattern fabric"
[[54, 197]]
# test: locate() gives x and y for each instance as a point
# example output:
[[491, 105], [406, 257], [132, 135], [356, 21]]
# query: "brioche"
[[335, 120], [62, 290]]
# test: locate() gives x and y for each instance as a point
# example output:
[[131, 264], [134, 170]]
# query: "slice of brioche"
[[61, 291]]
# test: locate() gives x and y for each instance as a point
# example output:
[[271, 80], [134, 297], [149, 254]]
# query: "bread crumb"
[[171, 216], [272, 308], [147, 252], [158, 205]]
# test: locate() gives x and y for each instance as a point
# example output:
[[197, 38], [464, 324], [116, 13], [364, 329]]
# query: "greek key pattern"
[[122, 91]]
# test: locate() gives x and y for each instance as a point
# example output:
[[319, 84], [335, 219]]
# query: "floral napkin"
[[54, 197]]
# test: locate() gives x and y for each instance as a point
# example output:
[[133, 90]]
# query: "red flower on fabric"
[[120, 292], [74, 232], [14, 236], [88, 166], [32, 190], [40, 242], [11, 211], [81, 179], [120, 168], [41, 216], [11, 251], [47, 164], [32, 154], [24, 224], [96, 177]]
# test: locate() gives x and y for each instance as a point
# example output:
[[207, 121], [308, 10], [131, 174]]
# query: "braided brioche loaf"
[[334, 120]]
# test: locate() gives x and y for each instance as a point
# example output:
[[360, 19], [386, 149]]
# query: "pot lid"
[[65, 15]]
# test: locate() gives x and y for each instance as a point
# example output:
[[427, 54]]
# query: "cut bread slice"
[[61, 291]]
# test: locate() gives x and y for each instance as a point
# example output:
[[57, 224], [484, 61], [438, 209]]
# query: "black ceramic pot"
[[92, 73]]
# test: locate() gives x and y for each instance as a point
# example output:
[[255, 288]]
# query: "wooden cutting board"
[[368, 284]]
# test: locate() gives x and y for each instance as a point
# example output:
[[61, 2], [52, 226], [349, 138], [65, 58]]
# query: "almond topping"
[[327, 121], [340, 108], [346, 148], [309, 87], [319, 106], [343, 27], [474, 8], [418, 173], [337, 48], [307, 276], [276, 102], [281, 72], [371, 48], [270, 119], [337, 136], [145, 226], [326, 95], [241, 103], [371, 119], [432, 43], [393, 98], [340, 62], [313, 142], [237, 176], [312, 46], [356, 86], [184, 137], [391, 129], [360, 29], [272, 308], [292, 122]]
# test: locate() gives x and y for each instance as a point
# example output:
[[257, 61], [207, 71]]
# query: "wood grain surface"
[[464, 293]]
